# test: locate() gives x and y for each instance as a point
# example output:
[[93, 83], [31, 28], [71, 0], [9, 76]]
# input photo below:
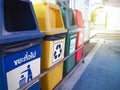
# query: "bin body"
[[51, 23], [52, 52], [79, 43], [70, 45], [80, 35], [20, 45], [49, 18], [19, 64]]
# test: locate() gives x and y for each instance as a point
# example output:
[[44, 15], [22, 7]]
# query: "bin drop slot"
[[18, 16]]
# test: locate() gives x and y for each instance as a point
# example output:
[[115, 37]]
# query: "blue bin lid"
[[17, 21]]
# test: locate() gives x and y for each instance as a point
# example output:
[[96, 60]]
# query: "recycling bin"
[[80, 35], [49, 18], [69, 48], [51, 23], [20, 45], [52, 52], [70, 43], [19, 64]]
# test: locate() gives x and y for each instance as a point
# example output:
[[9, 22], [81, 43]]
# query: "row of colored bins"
[[51, 23], [80, 35], [20, 45]]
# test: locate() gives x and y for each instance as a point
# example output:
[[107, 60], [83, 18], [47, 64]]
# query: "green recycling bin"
[[70, 44]]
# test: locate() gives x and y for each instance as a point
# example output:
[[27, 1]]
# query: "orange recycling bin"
[[80, 35], [51, 23], [49, 18]]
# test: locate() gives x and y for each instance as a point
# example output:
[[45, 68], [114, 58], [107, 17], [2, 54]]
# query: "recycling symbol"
[[58, 51]]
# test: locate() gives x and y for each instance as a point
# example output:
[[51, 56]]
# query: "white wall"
[[51, 1], [113, 18], [35, 1]]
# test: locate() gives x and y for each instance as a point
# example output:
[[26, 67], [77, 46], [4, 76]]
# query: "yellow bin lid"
[[49, 18]]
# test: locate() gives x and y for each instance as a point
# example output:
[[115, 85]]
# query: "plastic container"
[[17, 21], [20, 62], [20, 45], [52, 52], [80, 35], [49, 18], [70, 43]]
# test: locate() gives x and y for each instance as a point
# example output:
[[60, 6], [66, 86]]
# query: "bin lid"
[[68, 18], [79, 18], [17, 21], [49, 18]]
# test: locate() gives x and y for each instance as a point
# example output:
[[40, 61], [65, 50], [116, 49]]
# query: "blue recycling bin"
[[20, 45]]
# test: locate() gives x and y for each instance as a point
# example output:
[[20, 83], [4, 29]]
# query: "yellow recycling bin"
[[52, 52], [49, 18], [51, 23]]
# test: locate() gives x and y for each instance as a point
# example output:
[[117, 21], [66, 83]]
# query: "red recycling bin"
[[80, 35]]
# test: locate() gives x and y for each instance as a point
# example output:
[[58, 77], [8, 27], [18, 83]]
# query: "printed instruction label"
[[20, 76], [21, 67]]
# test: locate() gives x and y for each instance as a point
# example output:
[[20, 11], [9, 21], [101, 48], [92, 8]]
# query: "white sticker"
[[18, 77], [57, 51], [72, 44], [80, 38]]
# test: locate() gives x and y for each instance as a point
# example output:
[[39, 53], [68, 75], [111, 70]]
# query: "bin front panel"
[[52, 52], [21, 67], [70, 43], [70, 47], [49, 81], [35, 86], [79, 42], [69, 64]]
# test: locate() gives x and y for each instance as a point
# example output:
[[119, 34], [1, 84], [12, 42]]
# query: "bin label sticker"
[[20, 76], [57, 51], [72, 44], [80, 38], [21, 67]]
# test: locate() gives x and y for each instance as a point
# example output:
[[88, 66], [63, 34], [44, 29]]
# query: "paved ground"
[[103, 72], [101, 68]]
